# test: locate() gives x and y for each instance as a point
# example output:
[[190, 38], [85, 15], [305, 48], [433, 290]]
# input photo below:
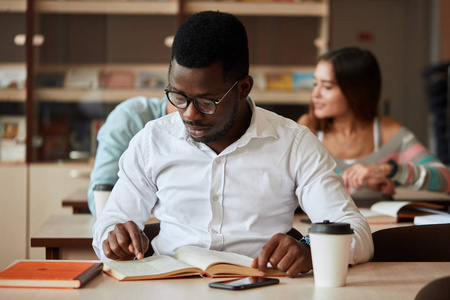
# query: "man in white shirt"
[[223, 174]]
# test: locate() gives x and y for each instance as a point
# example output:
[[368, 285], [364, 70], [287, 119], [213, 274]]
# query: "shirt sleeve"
[[419, 169], [321, 194], [132, 197], [114, 136]]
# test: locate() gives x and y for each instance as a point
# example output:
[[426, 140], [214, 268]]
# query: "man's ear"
[[245, 86]]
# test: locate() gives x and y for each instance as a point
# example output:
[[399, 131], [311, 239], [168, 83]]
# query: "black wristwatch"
[[394, 168]]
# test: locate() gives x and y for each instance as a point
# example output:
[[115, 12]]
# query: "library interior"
[[67, 65]]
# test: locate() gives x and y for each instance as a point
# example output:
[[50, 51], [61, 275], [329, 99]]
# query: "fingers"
[[266, 252], [137, 242], [359, 174], [284, 253], [126, 241]]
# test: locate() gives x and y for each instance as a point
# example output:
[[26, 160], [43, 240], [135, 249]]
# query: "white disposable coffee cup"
[[330, 251], [101, 195]]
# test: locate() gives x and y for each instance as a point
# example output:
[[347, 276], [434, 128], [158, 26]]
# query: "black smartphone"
[[244, 283]]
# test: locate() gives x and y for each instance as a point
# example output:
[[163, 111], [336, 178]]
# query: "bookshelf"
[[96, 34]]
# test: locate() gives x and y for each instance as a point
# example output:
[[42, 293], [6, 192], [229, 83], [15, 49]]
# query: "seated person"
[[222, 173], [373, 153], [113, 137]]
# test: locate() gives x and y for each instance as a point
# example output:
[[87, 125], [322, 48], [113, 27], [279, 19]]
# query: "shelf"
[[108, 7], [84, 95], [12, 164], [281, 97], [119, 95], [14, 6], [313, 9], [10, 95]]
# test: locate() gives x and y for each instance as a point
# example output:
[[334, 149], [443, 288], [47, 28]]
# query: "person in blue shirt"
[[127, 119]]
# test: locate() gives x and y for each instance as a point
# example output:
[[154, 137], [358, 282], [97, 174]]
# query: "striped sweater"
[[417, 167]]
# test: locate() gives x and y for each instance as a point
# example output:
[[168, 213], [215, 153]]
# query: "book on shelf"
[[279, 81], [303, 81], [12, 138], [80, 138], [96, 124], [259, 81], [401, 211], [12, 78], [55, 139], [117, 79], [82, 78], [151, 80], [49, 274], [50, 79], [187, 261]]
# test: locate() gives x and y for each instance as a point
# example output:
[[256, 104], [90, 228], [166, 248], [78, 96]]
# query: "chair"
[[438, 289], [424, 243], [152, 230]]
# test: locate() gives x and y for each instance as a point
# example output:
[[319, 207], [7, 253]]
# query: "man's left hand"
[[286, 254]]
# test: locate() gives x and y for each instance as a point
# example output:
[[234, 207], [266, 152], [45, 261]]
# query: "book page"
[[153, 265], [202, 258], [389, 208]]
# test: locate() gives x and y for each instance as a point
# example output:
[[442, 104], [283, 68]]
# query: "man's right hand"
[[125, 242]]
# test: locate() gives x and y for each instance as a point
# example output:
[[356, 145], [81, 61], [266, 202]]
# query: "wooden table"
[[70, 236], [78, 201], [365, 281], [66, 237]]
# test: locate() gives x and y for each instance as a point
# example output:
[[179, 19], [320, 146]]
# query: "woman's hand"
[[374, 175]]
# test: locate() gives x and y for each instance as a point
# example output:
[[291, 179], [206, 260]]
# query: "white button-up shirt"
[[233, 201]]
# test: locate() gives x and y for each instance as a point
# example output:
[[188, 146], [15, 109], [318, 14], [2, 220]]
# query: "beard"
[[225, 129]]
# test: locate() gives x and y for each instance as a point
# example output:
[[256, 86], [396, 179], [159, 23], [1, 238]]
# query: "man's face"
[[208, 83]]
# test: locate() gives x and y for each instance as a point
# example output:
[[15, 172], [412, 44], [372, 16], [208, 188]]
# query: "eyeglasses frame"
[[188, 99]]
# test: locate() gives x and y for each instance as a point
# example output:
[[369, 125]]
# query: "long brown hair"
[[358, 76]]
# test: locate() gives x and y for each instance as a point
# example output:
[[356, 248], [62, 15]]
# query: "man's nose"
[[191, 112]]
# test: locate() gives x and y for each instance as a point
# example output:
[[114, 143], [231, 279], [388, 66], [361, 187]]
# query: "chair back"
[[418, 243], [438, 289]]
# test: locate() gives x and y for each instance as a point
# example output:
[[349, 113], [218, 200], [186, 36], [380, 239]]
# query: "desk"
[[66, 237], [70, 236], [365, 281], [78, 201]]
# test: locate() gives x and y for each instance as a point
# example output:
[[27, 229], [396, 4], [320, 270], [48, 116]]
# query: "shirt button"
[[218, 161], [213, 231], [215, 198]]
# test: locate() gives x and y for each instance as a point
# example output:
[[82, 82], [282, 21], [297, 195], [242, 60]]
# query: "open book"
[[402, 211], [187, 261]]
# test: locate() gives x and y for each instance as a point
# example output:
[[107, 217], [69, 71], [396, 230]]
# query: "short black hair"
[[212, 36]]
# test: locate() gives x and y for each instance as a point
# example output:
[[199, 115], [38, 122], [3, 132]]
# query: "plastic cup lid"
[[327, 227], [103, 187]]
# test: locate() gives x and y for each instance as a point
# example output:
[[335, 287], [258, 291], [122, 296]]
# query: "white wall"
[[401, 42]]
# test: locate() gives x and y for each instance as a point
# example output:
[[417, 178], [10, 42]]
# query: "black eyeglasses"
[[204, 105]]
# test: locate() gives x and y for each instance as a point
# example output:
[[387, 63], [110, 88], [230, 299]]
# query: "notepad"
[[432, 219], [49, 274]]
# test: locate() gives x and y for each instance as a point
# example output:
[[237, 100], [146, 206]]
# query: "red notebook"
[[49, 274]]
